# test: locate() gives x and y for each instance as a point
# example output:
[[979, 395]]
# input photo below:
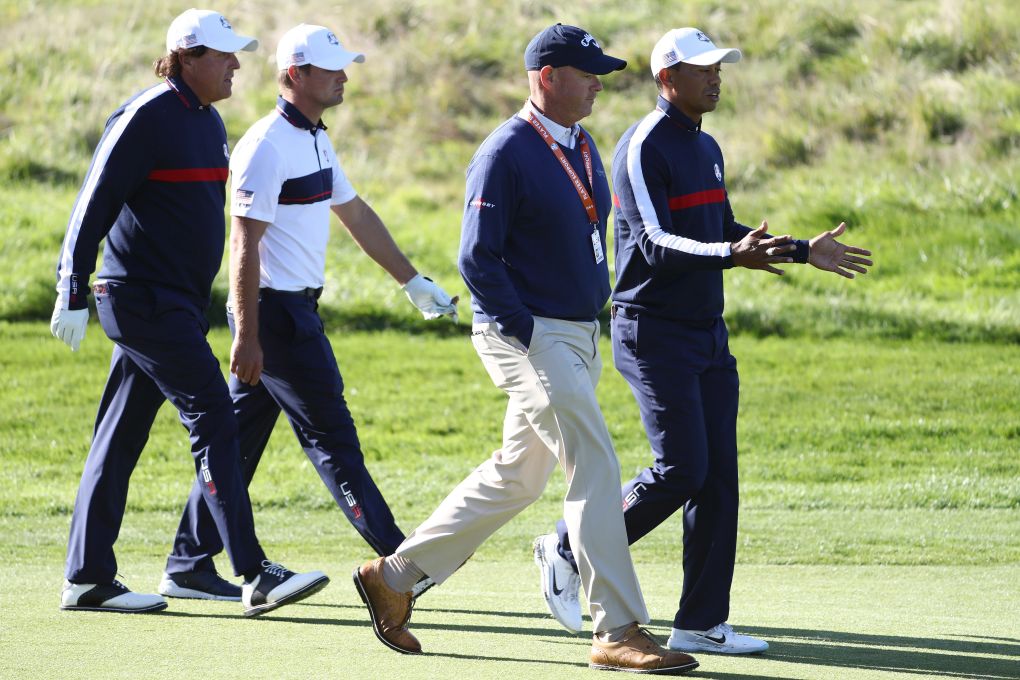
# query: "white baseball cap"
[[690, 46], [196, 27], [315, 45]]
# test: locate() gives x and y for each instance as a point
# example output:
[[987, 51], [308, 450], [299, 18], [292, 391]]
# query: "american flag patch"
[[297, 57], [669, 57], [243, 198], [190, 40]]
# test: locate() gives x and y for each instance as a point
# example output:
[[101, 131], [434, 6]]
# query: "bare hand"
[[830, 255], [246, 360], [756, 252]]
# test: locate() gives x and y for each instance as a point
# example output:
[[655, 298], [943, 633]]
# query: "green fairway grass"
[[489, 621], [879, 521], [879, 422]]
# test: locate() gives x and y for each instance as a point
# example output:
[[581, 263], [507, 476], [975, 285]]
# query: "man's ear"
[[294, 72], [547, 76], [666, 76]]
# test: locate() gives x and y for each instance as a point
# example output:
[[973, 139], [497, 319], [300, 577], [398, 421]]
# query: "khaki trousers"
[[552, 416]]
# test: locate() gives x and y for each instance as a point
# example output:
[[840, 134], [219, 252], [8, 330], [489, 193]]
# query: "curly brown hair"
[[169, 66]]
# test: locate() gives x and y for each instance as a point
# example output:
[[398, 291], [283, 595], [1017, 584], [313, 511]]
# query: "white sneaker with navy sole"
[[108, 597], [560, 583], [276, 586], [719, 639]]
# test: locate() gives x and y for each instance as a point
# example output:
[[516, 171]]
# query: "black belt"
[[310, 293]]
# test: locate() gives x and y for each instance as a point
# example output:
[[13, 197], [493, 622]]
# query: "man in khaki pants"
[[532, 254]]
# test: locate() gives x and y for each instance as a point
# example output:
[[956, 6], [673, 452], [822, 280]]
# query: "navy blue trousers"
[[685, 382], [300, 376], [160, 354]]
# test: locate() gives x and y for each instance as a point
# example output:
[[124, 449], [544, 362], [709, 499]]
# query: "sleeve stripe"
[[64, 270], [697, 198], [653, 230], [189, 175]]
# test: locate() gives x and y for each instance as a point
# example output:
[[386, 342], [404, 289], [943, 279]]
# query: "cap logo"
[[297, 57], [702, 37], [332, 39], [669, 57], [225, 24], [189, 40], [589, 40]]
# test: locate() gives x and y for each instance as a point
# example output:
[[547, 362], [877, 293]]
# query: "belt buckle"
[[100, 289]]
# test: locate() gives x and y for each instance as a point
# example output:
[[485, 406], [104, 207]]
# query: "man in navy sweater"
[[155, 192], [532, 255], [675, 234]]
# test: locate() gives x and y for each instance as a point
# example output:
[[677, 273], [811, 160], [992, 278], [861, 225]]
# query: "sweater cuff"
[[521, 327], [78, 292], [803, 249]]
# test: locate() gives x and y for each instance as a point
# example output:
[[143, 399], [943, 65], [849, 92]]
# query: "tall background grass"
[[901, 118]]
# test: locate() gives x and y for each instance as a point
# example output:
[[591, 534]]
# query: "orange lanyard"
[[582, 192]]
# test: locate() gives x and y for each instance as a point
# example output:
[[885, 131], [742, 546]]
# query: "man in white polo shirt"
[[286, 179]]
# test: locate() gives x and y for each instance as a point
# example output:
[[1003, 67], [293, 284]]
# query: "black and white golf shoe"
[[276, 586], [199, 585], [108, 597]]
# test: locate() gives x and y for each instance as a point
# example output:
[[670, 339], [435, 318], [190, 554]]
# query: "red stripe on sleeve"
[[697, 198], [190, 175]]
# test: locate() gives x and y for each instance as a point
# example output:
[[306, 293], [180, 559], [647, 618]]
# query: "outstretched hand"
[[756, 252], [828, 254]]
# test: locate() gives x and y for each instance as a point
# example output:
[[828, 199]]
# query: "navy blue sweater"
[[526, 247], [155, 191], [674, 224]]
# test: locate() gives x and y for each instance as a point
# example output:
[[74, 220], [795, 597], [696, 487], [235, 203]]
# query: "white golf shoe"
[[108, 597], [719, 639], [560, 583], [276, 586]]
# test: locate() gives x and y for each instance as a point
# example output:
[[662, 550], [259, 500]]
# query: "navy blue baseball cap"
[[561, 45]]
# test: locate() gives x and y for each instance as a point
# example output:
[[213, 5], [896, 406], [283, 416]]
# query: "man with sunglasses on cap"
[[155, 191], [675, 234], [286, 179], [532, 254]]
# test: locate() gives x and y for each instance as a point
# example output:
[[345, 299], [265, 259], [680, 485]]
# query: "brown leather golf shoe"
[[639, 652], [390, 610]]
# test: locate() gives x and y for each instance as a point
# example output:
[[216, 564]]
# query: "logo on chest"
[[718, 172]]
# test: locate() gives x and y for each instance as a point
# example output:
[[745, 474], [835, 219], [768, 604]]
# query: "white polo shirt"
[[284, 171]]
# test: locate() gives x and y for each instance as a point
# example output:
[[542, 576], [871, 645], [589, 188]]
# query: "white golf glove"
[[68, 325], [431, 300]]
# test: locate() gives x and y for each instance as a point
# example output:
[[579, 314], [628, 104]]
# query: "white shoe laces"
[[274, 568], [573, 587], [724, 628]]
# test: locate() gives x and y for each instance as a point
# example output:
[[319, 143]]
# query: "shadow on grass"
[[363, 622], [436, 610], [956, 656]]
